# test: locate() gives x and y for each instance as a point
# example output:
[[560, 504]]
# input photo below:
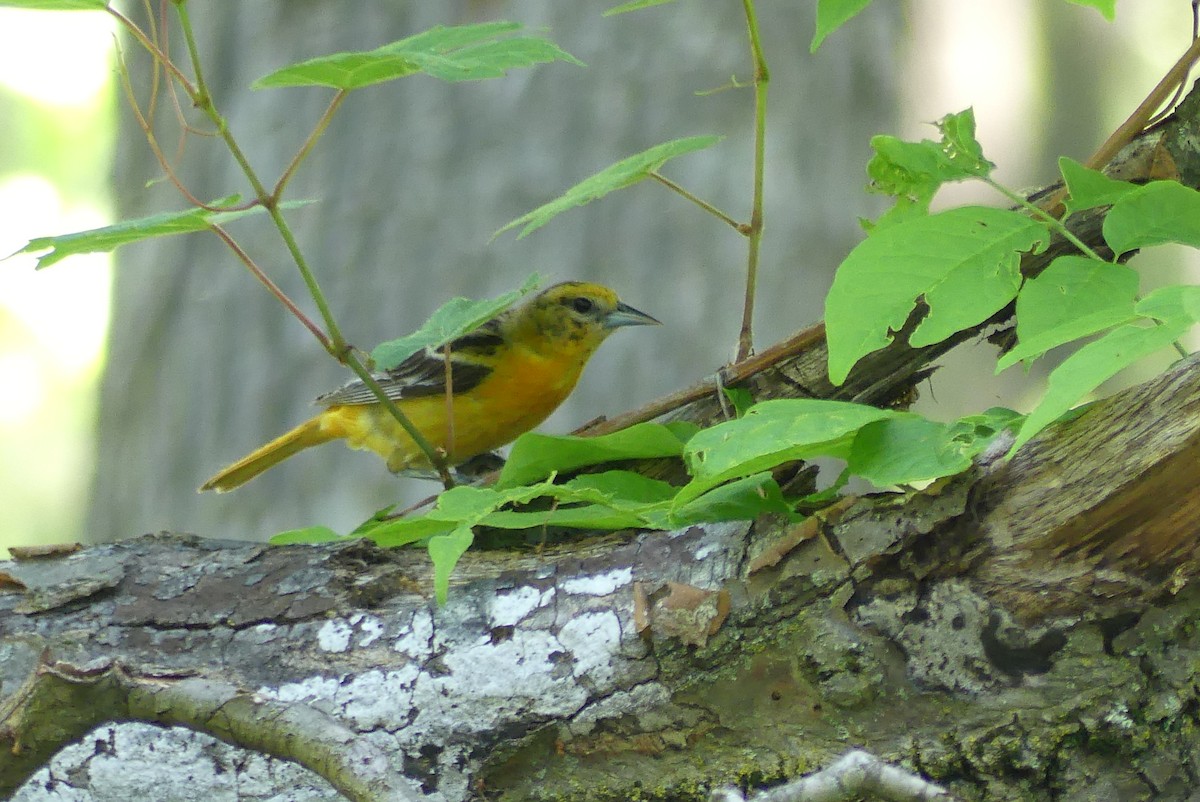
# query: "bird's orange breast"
[[520, 393]]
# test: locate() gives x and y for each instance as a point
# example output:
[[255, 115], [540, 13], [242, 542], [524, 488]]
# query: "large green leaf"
[[769, 434], [964, 263], [1154, 214], [741, 500], [535, 456], [908, 448], [461, 53], [111, 237], [618, 176], [1092, 365], [1088, 189], [1072, 298]]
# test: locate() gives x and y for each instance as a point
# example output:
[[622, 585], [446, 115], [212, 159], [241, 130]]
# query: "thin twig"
[[754, 231], [1137, 121], [159, 56], [448, 379], [271, 286], [308, 145], [144, 123], [741, 228]]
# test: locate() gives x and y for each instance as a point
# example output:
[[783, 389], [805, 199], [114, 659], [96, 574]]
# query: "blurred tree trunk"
[[412, 179]]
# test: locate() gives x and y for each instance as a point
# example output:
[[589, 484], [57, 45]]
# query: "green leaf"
[[110, 238], [308, 534], [962, 150], [403, 531], [621, 489], [618, 176], [913, 171], [772, 433], [833, 14], [445, 551], [608, 500], [636, 5], [535, 456], [1090, 188], [56, 5], [964, 263], [742, 500], [585, 516], [908, 448], [1092, 365], [452, 319], [740, 397], [1154, 214], [1177, 303], [1072, 298], [1108, 8], [461, 53], [990, 422]]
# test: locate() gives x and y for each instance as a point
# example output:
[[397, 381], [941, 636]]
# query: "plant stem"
[[754, 231], [1142, 114], [1045, 216], [271, 286], [703, 204], [159, 56], [308, 145]]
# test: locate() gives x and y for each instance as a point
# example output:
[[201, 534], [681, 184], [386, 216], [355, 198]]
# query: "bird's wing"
[[424, 373]]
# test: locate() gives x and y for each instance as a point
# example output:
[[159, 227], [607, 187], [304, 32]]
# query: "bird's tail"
[[303, 436]]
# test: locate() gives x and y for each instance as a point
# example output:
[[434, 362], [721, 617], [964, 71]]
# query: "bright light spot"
[[65, 307], [24, 388], [32, 44]]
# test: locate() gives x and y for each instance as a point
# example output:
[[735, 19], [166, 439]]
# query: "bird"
[[506, 377]]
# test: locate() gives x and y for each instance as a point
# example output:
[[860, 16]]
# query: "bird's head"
[[576, 315]]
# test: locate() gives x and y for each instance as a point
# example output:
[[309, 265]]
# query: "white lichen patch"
[[485, 684], [334, 635], [306, 690], [508, 609], [599, 584], [371, 628], [416, 642], [592, 640], [377, 699]]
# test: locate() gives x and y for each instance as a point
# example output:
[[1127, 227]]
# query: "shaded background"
[[414, 176]]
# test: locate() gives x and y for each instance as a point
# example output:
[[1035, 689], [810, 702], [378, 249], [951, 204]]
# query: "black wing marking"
[[424, 373]]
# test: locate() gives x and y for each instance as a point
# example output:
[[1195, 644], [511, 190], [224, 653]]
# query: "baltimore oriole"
[[507, 376]]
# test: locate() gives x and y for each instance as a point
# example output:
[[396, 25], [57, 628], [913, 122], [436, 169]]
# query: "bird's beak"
[[626, 315]]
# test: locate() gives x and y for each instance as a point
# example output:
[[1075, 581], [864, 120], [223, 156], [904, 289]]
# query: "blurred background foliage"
[[1045, 78], [57, 123]]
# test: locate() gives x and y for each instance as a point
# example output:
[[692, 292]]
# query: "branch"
[[60, 703]]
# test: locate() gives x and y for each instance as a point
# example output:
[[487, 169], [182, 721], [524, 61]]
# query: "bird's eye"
[[583, 305]]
